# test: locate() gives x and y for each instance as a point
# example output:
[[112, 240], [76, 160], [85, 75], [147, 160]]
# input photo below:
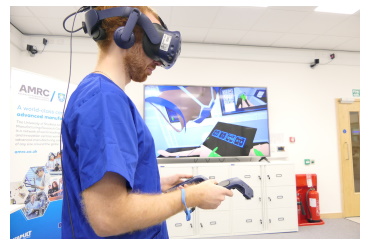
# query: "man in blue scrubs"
[[112, 187]]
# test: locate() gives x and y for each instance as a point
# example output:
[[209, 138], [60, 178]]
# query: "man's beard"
[[135, 63]]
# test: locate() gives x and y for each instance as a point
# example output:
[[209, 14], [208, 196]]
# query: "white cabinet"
[[247, 221], [281, 199], [213, 222], [178, 226], [272, 209]]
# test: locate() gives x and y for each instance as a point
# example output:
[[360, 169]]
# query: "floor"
[[343, 228], [354, 219]]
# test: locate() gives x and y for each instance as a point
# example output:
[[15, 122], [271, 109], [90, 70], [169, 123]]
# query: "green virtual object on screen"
[[258, 153], [213, 153], [243, 97]]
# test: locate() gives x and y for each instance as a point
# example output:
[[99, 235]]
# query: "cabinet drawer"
[[217, 173], [282, 219], [178, 226], [245, 221], [279, 197], [214, 222], [276, 175], [251, 175]]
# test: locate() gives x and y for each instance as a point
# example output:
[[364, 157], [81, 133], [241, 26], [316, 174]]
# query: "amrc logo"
[[34, 92]]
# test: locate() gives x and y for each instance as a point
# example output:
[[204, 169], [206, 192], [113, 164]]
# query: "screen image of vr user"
[[206, 121]]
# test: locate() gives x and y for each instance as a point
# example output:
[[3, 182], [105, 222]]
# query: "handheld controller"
[[232, 183], [194, 180], [240, 185]]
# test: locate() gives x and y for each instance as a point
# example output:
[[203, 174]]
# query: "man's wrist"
[[192, 199]]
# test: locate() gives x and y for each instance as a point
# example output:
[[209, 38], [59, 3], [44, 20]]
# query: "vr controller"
[[232, 183], [240, 185], [194, 180]]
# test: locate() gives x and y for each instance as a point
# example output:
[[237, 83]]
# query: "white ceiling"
[[280, 26]]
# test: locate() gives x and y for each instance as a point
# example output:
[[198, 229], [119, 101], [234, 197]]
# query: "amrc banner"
[[36, 186]]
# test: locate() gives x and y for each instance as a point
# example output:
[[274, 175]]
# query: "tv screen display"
[[206, 121]]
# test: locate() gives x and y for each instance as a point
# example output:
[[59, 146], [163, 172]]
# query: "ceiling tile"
[[20, 11], [192, 35], [279, 26], [318, 23], [349, 27], [278, 20], [193, 16], [294, 8], [165, 13], [293, 40], [237, 18], [28, 25], [326, 42], [52, 11], [260, 38], [224, 36]]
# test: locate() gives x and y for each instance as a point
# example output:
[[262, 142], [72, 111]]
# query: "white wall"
[[301, 99]]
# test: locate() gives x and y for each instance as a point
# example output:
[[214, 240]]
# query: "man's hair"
[[111, 24]]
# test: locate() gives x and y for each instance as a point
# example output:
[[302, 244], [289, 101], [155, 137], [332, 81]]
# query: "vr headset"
[[159, 43]]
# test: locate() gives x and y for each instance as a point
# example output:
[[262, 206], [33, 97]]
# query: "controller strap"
[[187, 211]]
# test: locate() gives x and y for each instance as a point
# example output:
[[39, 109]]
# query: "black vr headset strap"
[[96, 16]]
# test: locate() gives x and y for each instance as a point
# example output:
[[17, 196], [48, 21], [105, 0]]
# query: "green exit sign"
[[356, 92]]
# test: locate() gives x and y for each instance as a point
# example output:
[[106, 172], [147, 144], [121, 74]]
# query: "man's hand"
[[207, 194], [170, 181]]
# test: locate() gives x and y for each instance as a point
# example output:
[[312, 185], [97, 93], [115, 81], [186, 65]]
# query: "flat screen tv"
[[207, 121]]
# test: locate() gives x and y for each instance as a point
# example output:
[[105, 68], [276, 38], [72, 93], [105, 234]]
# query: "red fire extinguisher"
[[312, 199]]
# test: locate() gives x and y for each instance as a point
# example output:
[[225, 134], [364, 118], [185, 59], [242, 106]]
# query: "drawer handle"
[[191, 225], [178, 225], [212, 177], [249, 221], [247, 176], [212, 223], [279, 175], [281, 219], [280, 197]]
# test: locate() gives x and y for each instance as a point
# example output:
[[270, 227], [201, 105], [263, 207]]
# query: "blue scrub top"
[[103, 131]]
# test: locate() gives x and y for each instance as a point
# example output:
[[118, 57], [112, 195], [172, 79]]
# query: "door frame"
[[350, 198]]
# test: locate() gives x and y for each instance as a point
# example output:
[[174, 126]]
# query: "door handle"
[[347, 150]]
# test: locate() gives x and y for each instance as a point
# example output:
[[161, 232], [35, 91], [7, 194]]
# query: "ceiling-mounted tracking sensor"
[[317, 61], [32, 49]]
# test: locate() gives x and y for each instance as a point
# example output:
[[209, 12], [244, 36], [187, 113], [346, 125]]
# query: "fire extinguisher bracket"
[[308, 206]]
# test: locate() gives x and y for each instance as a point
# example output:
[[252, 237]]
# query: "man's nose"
[[158, 63]]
